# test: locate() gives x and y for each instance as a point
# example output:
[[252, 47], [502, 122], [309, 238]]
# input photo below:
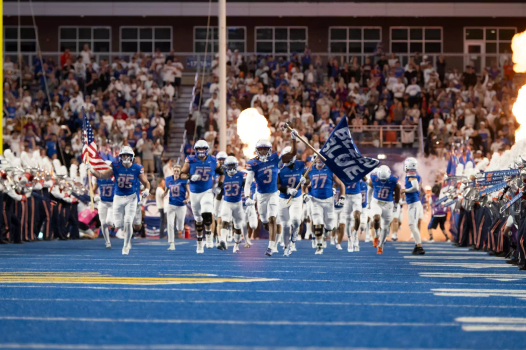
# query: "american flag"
[[90, 147]]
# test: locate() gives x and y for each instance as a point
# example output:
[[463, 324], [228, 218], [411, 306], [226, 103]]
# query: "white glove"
[[303, 180], [509, 222], [96, 199], [217, 191], [145, 193], [334, 192], [195, 177], [250, 202], [341, 201], [90, 169], [292, 191], [395, 208], [306, 198], [294, 134]]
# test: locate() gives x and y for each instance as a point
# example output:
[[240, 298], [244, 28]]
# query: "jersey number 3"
[[125, 181]]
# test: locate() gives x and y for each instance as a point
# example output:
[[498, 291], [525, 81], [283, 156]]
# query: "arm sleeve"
[[248, 182], [414, 187]]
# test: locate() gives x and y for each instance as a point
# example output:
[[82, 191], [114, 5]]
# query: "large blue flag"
[[343, 157]]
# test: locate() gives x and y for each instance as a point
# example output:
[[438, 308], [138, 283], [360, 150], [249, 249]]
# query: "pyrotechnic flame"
[[252, 127], [518, 45], [519, 111]]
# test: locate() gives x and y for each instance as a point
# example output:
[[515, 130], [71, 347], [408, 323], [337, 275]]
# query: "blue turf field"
[[448, 299]]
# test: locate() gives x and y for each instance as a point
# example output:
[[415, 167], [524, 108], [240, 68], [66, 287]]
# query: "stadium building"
[[462, 31]]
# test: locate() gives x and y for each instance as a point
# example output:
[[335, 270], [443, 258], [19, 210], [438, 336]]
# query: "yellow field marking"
[[94, 278]]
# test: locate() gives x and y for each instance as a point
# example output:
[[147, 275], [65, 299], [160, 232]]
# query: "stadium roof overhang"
[[483, 8]]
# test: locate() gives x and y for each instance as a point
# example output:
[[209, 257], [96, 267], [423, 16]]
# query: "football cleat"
[[333, 240], [319, 250], [431, 240], [275, 249], [324, 243], [108, 245], [247, 245], [236, 248], [293, 247], [287, 251], [418, 251], [394, 236], [200, 248], [356, 246], [350, 246], [368, 237], [268, 252], [222, 246], [313, 243], [172, 246], [379, 250], [125, 251], [339, 247], [375, 242], [209, 241]]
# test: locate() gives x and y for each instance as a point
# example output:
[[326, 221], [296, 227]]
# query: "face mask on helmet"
[[383, 174], [263, 153], [231, 169], [126, 159], [201, 152]]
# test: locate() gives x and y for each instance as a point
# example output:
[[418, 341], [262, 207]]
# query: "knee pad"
[[199, 227], [318, 231], [207, 218]]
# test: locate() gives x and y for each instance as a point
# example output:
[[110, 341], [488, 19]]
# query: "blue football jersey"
[[127, 179], [206, 168], [291, 177], [265, 173], [412, 197], [353, 189], [106, 189], [232, 187], [383, 191], [177, 190], [321, 182], [363, 190]]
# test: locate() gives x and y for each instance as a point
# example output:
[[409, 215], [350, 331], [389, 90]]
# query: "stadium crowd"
[[471, 108]]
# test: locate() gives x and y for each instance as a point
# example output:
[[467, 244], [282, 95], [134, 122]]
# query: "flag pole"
[[306, 143], [299, 182], [89, 173]]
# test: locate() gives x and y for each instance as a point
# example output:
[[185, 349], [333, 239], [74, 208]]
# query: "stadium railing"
[[386, 135], [192, 60]]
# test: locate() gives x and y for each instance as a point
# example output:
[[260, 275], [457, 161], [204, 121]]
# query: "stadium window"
[[281, 40], [355, 41], [28, 39], [236, 39], [74, 38], [496, 40], [145, 39], [408, 40]]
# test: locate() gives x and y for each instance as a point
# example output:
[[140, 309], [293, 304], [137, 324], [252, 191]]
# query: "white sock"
[[286, 236], [278, 238], [416, 234], [224, 234], [237, 238], [308, 232], [106, 232]]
